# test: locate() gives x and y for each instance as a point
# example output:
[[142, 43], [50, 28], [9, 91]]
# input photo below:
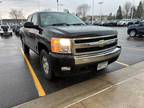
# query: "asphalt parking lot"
[[17, 85]]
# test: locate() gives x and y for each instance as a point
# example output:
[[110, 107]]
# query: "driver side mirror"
[[31, 25]]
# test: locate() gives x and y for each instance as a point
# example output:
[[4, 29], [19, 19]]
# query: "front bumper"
[[105, 56], [80, 64]]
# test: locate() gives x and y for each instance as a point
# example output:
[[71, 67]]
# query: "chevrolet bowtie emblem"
[[101, 43]]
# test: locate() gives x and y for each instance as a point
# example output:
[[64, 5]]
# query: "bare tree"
[[127, 9], [82, 10], [16, 14]]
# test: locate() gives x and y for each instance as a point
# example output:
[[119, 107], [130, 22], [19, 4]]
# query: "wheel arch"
[[131, 30], [42, 46]]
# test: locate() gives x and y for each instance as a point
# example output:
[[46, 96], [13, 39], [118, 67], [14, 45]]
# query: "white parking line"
[[126, 65]]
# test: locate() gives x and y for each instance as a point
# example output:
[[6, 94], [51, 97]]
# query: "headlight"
[[61, 45]]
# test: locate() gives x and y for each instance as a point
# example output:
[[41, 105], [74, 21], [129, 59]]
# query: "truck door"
[[27, 33], [33, 33]]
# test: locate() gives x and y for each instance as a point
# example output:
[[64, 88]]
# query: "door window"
[[29, 19], [34, 19]]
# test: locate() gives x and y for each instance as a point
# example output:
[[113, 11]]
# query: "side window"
[[34, 19], [29, 19]]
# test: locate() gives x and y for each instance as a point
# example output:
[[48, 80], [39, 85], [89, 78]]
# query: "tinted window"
[[34, 19], [48, 19]]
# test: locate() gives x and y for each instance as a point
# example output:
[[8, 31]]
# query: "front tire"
[[46, 66], [133, 33]]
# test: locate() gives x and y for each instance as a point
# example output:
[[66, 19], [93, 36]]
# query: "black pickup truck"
[[66, 45]]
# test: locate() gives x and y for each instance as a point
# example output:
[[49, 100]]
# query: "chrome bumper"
[[94, 58]]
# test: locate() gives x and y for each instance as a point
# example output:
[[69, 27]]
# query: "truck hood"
[[72, 31]]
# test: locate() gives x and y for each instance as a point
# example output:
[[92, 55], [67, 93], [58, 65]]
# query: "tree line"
[[130, 11], [127, 11]]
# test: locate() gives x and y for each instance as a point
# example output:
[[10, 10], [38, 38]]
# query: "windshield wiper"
[[66, 24], [78, 24], [60, 24]]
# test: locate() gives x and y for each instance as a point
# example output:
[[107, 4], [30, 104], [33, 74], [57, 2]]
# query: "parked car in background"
[[133, 21], [136, 29], [98, 23], [16, 29], [111, 23], [106, 23], [88, 22], [124, 22], [101, 23], [5, 30]]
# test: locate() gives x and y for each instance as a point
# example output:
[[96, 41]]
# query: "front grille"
[[94, 44], [93, 39]]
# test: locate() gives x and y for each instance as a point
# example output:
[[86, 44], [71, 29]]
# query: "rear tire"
[[46, 66], [133, 33]]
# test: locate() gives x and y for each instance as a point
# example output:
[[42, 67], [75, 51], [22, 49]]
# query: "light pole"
[[100, 3], [132, 15], [0, 16], [93, 11], [57, 5], [60, 7]]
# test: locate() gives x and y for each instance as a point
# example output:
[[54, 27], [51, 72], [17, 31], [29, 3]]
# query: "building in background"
[[12, 21]]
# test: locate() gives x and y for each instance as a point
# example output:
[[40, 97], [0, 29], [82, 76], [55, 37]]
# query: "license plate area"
[[102, 65]]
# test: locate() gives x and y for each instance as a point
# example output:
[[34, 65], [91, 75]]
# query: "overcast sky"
[[30, 6]]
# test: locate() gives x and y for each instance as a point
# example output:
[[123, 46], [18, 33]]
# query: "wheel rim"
[[132, 33], [45, 64]]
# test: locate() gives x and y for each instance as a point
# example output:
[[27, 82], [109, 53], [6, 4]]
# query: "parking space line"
[[126, 65], [37, 83]]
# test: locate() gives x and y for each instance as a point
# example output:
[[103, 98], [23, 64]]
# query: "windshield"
[[54, 19]]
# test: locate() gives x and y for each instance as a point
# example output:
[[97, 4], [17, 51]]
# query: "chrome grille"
[[94, 44]]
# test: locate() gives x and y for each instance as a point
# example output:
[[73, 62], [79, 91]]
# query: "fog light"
[[65, 68]]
